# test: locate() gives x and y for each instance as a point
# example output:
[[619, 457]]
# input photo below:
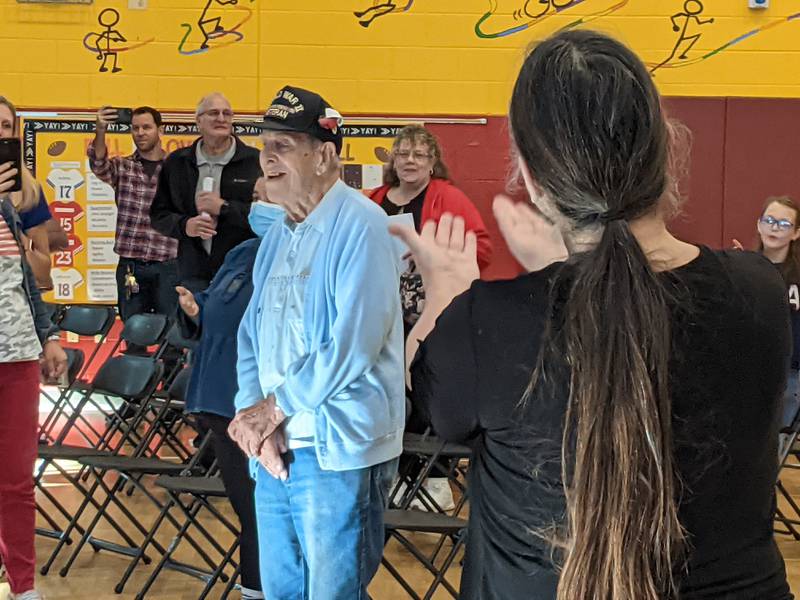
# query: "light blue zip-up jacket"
[[353, 375]]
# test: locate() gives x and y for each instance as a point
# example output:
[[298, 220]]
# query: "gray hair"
[[206, 99]]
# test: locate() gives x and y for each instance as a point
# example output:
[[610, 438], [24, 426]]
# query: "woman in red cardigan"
[[416, 182]]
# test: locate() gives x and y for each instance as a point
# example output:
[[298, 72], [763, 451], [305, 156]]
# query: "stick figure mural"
[[211, 28], [380, 8], [684, 60], [495, 22], [107, 44], [533, 9], [689, 31], [103, 41]]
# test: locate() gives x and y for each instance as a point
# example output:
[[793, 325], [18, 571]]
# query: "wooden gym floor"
[[94, 575]]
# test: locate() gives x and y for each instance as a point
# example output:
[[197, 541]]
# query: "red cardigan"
[[443, 197]]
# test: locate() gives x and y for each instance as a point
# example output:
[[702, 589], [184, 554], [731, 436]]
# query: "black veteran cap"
[[296, 109]]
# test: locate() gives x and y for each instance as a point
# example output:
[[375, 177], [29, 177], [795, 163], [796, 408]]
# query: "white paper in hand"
[[403, 220]]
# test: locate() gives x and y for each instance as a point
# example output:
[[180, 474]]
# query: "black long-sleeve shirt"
[[174, 204], [730, 352]]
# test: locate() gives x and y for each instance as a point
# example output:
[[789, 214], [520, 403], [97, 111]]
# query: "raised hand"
[[105, 116], [445, 255], [187, 302], [532, 239]]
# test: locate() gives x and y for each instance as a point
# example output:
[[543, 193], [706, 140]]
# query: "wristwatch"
[[54, 337]]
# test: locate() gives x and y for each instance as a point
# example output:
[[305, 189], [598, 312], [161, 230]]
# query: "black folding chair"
[[181, 346], [165, 412], [190, 496], [144, 330], [131, 470], [430, 453], [400, 523], [786, 451], [87, 321], [201, 491], [132, 379]]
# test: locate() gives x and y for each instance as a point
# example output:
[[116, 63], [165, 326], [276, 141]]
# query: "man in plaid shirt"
[[147, 270]]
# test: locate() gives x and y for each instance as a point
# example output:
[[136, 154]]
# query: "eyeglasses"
[[771, 222], [417, 156], [214, 113]]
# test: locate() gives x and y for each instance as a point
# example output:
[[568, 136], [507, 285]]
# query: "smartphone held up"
[[11, 152]]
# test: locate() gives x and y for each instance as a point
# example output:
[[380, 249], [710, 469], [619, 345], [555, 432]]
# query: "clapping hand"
[[445, 255], [531, 238]]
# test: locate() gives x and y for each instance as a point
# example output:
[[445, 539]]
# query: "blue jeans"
[[320, 532]]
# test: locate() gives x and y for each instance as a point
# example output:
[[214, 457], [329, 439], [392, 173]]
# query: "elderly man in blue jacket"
[[320, 404]]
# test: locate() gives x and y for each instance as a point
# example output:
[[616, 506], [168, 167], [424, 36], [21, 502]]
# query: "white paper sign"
[[96, 190], [371, 176], [102, 285], [65, 182], [64, 283], [404, 220], [101, 252], [102, 218], [65, 164]]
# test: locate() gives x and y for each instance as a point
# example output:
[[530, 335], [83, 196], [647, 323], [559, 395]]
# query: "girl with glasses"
[[778, 233]]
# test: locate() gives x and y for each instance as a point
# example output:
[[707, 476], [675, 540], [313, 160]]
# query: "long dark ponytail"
[[587, 122]]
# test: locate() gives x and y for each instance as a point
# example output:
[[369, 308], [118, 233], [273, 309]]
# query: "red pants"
[[19, 423]]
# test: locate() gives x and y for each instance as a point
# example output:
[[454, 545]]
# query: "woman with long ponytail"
[[622, 397]]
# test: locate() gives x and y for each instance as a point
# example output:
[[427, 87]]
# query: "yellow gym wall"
[[398, 57]]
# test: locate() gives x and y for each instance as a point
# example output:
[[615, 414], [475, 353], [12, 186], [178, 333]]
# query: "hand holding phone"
[[105, 116], [124, 116]]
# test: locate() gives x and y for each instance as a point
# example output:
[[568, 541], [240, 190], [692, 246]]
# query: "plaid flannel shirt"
[[134, 190]]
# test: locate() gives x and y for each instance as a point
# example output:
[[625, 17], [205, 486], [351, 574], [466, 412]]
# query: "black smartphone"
[[11, 151], [353, 175], [124, 116]]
